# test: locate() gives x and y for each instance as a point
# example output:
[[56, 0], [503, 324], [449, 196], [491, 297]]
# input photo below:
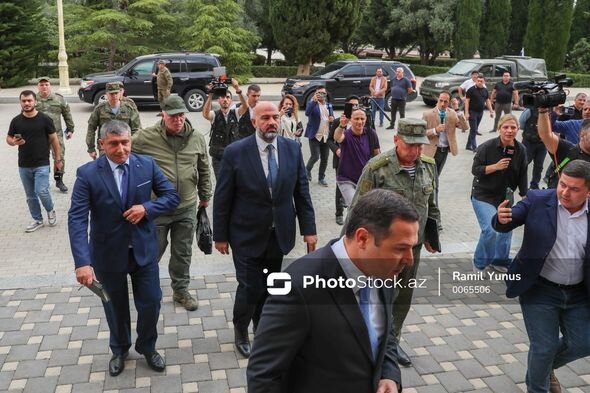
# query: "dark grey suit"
[[315, 340]]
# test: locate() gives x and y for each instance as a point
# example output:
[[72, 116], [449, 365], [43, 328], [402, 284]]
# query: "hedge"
[[425, 70], [440, 62], [333, 57], [277, 71], [580, 80]]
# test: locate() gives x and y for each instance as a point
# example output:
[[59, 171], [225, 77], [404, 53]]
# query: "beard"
[[28, 109], [269, 136]]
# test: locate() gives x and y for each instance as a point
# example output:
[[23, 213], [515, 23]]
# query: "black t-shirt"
[[477, 98], [504, 92], [35, 131]]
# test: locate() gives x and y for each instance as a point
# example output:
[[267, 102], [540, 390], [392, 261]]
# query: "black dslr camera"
[[220, 83], [546, 94]]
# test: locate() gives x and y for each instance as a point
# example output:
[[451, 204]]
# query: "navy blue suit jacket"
[[243, 209], [538, 213], [95, 193], [312, 111], [315, 340]]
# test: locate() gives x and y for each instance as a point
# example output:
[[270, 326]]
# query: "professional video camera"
[[545, 94], [220, 83]]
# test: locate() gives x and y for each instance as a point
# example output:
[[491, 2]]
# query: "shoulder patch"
[[365, 186], [379, 162], [427, 159]]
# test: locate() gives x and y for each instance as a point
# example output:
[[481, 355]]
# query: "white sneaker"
[[52, 218], [33, 226]]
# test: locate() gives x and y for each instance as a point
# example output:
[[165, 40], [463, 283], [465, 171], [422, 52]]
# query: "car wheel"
[[195, 100], [100, 97], [429, 102]]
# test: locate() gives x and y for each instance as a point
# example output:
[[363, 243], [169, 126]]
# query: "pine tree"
[[518, 24], [580, 23], [533, 40], [494, 28], [308, 30], [466, 37], [21, 39], [557, 34]]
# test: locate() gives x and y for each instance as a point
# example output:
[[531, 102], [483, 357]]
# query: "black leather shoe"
[[117, 364], [340, 220], [155, 361], [402, 357], [389, 128], [242, 341]]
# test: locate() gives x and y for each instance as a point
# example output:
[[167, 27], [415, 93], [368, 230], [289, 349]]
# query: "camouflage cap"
[[114, 87], [412, 131], [161, 61], [43, 79], [174, 105]]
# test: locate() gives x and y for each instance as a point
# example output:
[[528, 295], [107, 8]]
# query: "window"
[[370, 69], [145, 68], [176, 66], [198, 66], [501, 69], [487, 70], [352, 71]]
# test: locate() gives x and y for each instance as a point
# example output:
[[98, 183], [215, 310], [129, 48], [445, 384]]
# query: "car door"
[[178, 70], [347, 82], [138, 81]]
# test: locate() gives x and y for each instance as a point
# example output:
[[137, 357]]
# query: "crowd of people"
[[141, 191]]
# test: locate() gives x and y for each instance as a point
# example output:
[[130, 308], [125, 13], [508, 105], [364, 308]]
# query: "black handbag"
[[204, 234]]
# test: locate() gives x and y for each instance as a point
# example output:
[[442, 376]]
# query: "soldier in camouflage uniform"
[[163, 82], [55, 106], [407, 172], [113, 109]]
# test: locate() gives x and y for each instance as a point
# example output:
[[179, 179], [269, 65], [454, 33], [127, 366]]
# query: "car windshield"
[[328, 70], [462, 68]]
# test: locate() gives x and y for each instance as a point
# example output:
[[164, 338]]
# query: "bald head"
[[266, 120]]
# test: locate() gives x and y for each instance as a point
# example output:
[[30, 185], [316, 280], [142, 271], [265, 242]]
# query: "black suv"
[[191, 72], [344, 78]]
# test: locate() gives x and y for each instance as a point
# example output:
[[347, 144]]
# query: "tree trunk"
[[111, 60], [304, 69], [269, 56]]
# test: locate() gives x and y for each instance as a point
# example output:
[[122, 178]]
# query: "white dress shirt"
[[117, 172], [263, 153]]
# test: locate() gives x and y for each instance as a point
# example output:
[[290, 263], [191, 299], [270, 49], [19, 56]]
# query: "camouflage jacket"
[[164, 79], [103, 114], [384, 171], [55, 106]]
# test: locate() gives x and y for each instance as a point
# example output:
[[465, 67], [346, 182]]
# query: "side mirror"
[[338, 77]]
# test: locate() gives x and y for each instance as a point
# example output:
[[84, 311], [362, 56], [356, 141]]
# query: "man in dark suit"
[[257, 198], [551, 273], [116, 190], [339, 338]]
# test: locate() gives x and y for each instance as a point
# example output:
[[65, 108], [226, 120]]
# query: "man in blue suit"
[[551, 273], [116, 190], [262, 187]]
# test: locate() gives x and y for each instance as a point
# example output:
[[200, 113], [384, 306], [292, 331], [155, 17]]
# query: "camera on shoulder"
[[545, 94], [220, 82]]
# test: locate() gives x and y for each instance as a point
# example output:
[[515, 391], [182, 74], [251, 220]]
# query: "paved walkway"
[[54, 337]]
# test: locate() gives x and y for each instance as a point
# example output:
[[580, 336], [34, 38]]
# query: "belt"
[[442, 149], [562, 286]]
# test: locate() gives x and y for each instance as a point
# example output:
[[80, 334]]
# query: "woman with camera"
[[290, 127], [499, 166]]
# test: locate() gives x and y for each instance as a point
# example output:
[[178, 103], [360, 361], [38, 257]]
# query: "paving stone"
[[580, 367], [417, 339], [223, 360], [74, 374], [24, 294], [51, 343], [204, 294], [225, 336], [45, 329], [443, 353], [7, 312], [64, 357], [166, 384], [94, 387], [195, 372], [236, 377], [8, 324], [567, 378], [471, 369], [38, 316], [411, 378], [205, 345], [30, 369], [186, 332], [515, 371], [57, 298], [23, 352], [5, 379], [501, 346], [74, 320], [41, 385], [213, 387], [454, 381], [501, 383], [66, 308], [211, 323], [125, 380], [15, 338], [426, 365], [31, 305], [84, 332], [179, 356], [166, 341], [487, 357], [135, 390], [175, 319]]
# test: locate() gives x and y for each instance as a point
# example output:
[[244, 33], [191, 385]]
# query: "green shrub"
[[276, 71], [331, 58], [441, 62], [259, 60], [580, 80]]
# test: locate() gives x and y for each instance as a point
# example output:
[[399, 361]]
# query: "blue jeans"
[[36, 184], [474, 120], [381, 102], [546, 311], [493, 248]]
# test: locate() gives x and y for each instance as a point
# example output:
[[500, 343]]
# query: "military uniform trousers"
[[181, 225]]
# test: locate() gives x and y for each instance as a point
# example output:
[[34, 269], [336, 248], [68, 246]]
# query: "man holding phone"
[[33, 132], [320, 115]]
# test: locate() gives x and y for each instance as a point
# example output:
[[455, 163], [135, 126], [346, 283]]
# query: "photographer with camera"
[[569, 129], [499, 166], [290, 127], [535, 149], [573, 112], [224, 121]]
